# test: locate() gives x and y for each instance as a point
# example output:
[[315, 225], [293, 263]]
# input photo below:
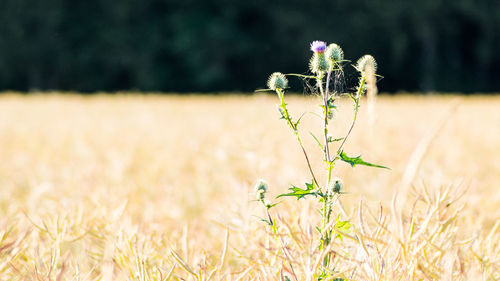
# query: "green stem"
[[325, 213], [293, 126], [356, 107], [324, 94], [326, 204], [326, 111]]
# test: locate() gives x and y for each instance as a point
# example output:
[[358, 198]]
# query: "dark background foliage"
[[206, 46]]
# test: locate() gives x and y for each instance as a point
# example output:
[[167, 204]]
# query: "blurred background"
[[219, 46]]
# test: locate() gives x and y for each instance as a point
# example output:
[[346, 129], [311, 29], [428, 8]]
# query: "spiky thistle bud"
[[366, 62], [318, 61], [276, 81], [334, 53], [335, 186], [261, 189], [267, 203]]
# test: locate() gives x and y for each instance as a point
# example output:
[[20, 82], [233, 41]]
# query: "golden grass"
[[135, 187]]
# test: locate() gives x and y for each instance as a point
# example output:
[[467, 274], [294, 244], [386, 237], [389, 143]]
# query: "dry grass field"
[[133, 187]]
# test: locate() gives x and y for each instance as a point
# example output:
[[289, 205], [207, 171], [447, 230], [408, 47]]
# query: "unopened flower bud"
[[366, 62], [261, 189], [318, 63], [334, 52], [335, 186], [276, 81], [267, 203]]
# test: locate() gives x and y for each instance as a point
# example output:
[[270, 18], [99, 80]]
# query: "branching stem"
[[293, 126], [325, 93], [356, 109]]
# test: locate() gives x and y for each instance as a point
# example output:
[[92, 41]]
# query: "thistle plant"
[[326, 72]]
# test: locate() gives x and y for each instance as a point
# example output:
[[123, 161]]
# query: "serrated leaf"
[[331, 104], [342, 226], [353, 161], [282, 112], [299, 192]]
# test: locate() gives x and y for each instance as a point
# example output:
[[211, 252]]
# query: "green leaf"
[[352, 97], [358, 161], [263, 90], [342, 226], [266, 221], [272, 205], [331, 139], [331, 103], [282, 112], [299, 192], [316, 139], [298, 121]]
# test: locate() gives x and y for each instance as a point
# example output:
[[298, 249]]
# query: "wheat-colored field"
[[134, 187]]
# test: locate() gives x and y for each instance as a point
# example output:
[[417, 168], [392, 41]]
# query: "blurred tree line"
[[226, 45]]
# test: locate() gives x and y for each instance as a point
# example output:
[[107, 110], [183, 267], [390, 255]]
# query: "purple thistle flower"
[[318, 46]]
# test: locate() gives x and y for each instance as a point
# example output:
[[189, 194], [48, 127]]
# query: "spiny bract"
[[334, 52], [277, 80], [366, 61]]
